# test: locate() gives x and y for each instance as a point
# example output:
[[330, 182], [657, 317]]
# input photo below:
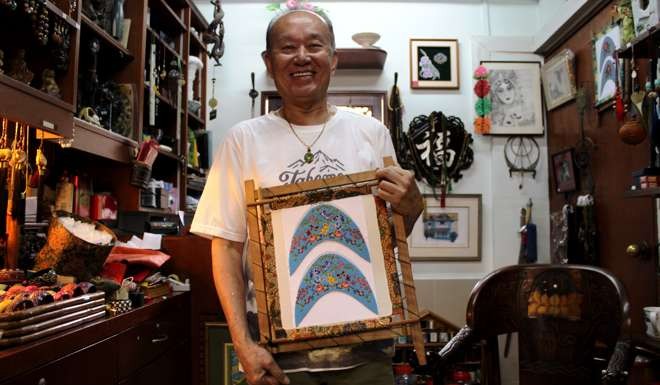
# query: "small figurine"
[[48, 84], [18, 68], [216, 33], [2, 63], [89, 115]]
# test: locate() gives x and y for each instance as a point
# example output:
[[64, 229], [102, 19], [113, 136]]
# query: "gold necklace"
[[309, 157]]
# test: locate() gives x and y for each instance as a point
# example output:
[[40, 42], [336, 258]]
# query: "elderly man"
[[284, 147]]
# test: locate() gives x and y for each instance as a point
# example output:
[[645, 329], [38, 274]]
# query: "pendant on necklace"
[[309, 157]]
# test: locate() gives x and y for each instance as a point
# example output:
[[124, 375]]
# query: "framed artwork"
[[558, 76], [605, 45], [323, 245], [517, 103], [369, 103], [564, 171], [645, 15], [434, 64], [452, 233], [221, 359]]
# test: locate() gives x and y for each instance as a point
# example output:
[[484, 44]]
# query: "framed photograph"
[[564, 171], [516, 98], [434, 64], [369, 103], [221, 359], [558, 76], [452, 233], [605, 45]]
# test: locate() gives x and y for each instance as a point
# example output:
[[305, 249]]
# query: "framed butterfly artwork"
[[322, 245], [434, 64]]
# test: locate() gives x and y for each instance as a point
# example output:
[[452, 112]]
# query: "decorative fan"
[[439, 149]]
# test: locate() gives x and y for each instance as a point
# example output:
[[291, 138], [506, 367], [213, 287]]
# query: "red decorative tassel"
[[619, 108]]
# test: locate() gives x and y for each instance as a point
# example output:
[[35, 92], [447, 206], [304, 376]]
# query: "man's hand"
[[398, 187], [259, 366]]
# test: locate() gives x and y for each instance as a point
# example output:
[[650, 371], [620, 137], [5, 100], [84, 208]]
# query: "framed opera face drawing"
[[559, 79], [450, 233], [605, 45], [517, 103], [434, 63]]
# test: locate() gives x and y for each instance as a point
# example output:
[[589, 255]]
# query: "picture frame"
[[516, 98], [221, 367], [320, 244], [370, 103], [645, 15], [558, 75], [452, 233], [434, 64], [563, 166], [604, 47]]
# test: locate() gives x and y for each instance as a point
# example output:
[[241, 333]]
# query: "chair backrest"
[[563, 314]]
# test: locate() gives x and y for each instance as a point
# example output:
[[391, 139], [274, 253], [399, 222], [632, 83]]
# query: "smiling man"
[[306, 139]]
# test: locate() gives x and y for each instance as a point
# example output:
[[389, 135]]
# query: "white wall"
[[552, 14], [471, 22]]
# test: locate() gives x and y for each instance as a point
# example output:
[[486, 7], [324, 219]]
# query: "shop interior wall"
[[485, 32], [620, 221]]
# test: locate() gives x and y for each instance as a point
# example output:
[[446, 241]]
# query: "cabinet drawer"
[[145, 342], [92, 365]]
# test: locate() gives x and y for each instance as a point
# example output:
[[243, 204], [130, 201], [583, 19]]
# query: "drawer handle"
[[162, 338]]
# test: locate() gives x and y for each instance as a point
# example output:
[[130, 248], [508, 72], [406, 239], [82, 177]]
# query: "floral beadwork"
[[330, 273], [325, 223]]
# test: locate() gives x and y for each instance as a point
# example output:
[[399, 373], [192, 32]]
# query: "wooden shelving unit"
[[106, 38], [164, 44]]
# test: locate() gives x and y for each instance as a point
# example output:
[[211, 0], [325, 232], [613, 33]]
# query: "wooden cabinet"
[[143, 346], [169, 30]]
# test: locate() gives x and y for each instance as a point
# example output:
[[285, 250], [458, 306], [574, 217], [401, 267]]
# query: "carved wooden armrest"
[[619, 365], [461, 340]]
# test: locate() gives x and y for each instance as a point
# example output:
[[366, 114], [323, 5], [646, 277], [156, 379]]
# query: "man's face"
[[300, 61]]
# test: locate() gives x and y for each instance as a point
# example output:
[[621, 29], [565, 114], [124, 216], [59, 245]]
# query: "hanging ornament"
[[483, 106], [213, 102], [522, 155]]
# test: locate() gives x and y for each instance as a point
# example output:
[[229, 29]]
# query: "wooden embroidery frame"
[[259, 200]]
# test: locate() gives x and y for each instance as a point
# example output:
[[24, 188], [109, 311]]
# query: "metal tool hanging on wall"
[[395, 124], [439, 149], [522, 154], [253, 94], [585, 146]]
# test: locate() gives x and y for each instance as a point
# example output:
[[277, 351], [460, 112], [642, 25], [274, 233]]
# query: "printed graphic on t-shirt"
[[321, 167]]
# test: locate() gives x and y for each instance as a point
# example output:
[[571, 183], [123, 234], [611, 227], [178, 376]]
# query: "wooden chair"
[[566, 317]]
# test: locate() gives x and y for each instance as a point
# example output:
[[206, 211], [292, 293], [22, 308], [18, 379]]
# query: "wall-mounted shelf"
[[643, 46], [361, 58], [653, 192], [104, 143]]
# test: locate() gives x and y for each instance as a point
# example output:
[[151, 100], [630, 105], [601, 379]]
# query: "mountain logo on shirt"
[[321, 167]]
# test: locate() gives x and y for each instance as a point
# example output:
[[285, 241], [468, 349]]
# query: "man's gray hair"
[[320, 15]]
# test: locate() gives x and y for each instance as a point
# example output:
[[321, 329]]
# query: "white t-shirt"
[[265, 150]]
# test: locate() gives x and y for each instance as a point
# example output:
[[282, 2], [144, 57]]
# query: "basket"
[[70, 255]]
